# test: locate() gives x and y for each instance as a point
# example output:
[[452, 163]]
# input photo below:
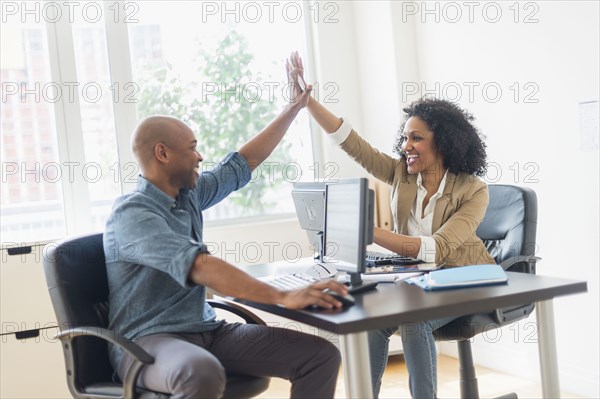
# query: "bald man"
[[158, 270]]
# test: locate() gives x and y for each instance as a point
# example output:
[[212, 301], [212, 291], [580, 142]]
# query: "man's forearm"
[[259, 147], [217, 274]]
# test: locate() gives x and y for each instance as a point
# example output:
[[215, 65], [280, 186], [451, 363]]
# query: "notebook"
[[457, 277]]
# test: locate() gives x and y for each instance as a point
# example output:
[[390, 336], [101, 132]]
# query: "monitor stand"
[[319, 245], [357, 286]]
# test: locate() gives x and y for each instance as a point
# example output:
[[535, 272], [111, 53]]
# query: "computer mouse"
[[346, 300]]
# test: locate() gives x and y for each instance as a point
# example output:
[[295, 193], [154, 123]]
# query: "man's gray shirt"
[[151, 242]]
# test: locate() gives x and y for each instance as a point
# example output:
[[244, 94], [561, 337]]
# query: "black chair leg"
[[468, 379]]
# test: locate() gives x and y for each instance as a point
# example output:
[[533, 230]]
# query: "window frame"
[[69, 128]]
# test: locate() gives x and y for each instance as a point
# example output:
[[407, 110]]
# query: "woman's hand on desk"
[[314, 295]]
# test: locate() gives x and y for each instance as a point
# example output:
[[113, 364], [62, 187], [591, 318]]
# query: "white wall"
[[533, 140]]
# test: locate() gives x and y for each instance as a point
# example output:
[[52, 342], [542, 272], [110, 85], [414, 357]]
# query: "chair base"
[[468, 379], [469, 388]]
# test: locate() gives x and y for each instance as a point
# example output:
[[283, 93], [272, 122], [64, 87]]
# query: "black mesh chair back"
[[76, 276]]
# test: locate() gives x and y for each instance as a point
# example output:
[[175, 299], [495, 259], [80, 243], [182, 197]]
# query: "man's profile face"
[[184, 168]]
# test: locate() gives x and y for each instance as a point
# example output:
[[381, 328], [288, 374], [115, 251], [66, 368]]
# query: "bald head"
[[152, 131]]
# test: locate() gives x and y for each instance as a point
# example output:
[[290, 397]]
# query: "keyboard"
[[300, 280], [290, 281], [375, 258]]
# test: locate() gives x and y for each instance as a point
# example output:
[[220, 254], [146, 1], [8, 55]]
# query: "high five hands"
[[299, 90]]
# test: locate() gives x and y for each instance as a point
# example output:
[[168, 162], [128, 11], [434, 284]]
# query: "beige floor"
[[395, 383]]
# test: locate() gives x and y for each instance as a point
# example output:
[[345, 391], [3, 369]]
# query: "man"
[[158, 269]]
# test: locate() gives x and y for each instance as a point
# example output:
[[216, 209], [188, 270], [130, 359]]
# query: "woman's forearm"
[[398, 243], [328, 121]]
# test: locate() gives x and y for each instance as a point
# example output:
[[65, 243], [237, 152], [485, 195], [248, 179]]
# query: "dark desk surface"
[[391, 304]]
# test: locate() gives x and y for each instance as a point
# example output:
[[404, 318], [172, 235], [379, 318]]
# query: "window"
[[64, 146], [31, 192], [97, 118]]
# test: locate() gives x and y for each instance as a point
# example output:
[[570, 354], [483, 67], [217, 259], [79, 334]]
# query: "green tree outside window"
[[222, 120]]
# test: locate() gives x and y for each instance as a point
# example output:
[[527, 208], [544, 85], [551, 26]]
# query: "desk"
[[391, 305]]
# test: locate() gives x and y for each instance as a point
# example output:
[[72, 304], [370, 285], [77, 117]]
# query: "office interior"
[[528, 71]]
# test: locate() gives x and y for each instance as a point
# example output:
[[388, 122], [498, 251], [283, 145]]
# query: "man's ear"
[[161, 153]]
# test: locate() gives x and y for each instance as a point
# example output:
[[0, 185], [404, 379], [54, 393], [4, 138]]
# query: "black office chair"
[[508, 231], [76, 277]]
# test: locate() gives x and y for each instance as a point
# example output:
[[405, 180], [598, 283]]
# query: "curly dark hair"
[[454, 135]]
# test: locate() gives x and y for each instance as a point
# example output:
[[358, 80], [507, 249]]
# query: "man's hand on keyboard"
[[313, 295]]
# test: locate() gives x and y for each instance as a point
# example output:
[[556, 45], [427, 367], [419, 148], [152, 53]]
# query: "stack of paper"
[[389, 277], [466, 276]]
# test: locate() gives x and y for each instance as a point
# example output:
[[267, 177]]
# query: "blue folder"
[[457, 277]]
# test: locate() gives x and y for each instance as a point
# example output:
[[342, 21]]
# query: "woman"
[[437, 203]]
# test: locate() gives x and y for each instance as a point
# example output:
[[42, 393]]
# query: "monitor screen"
[[309, 201], [348, 224]]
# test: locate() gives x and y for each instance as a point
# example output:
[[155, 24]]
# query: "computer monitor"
[[309, 200], [349, 221]]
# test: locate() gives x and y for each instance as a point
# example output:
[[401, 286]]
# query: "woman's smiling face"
[[419, 148]]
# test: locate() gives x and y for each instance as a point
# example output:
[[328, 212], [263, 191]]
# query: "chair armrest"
[[504, 316], [508, 315], [529, 260], [140, 356], [116, 339], [237, 310]]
